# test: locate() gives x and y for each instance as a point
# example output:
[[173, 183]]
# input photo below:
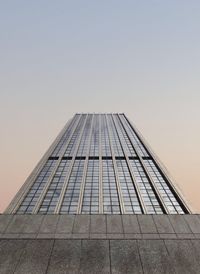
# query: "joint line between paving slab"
[[49, 260]]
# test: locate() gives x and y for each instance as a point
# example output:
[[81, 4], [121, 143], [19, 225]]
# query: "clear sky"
[[138, 57]]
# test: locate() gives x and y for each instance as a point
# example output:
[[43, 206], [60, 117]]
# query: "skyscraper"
[[99, 164], [99, 201]]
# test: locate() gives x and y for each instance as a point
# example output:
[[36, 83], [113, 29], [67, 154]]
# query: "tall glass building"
[[98, 164]]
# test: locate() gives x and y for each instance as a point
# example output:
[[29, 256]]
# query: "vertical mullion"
[[60, 200], [19, 197], [100, 170], [148, 174], [179, 196], [115, 169], [130, 169], [80, 200], [44, 191]]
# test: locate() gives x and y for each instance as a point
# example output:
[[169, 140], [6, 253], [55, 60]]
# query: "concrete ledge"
[[100, 226]]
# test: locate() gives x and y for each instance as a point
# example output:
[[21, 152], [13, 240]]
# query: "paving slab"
[[179, 224], [95, 257], [4, 221], [16, 224], [154, 257], [193, 222], [65, 224], [98, 224], [32, 223], [163, 224], [46, 236], [196, 247], [114, 224], [81, 224], [147, 224], [49, 224], [65, 257], [35, 257], [182, 255], [130, 224], [10, 253], [125, 257]]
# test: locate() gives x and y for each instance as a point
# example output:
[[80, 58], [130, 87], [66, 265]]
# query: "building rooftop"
[[42, 244]]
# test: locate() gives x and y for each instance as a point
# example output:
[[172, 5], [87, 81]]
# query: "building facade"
[[98, 164]]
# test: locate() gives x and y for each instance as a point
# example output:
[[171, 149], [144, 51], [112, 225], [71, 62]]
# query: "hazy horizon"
[[137, 57]]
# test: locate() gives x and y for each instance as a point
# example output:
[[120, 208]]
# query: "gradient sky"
[[138, 57]]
